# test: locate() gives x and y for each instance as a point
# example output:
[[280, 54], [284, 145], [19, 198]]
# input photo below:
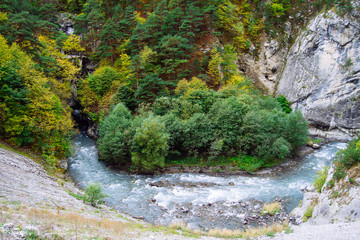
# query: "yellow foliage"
[[42, 119], [3, 17], [72, 43], [139, 18], [185, 87], [214, 69]]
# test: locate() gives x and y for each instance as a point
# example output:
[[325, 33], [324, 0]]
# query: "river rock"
[[315, 146]]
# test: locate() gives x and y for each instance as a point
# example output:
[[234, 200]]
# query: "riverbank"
[[34, 204]]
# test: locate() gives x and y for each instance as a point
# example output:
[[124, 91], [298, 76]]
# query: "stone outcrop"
[[322, 74], [338, 201], [319, 73]]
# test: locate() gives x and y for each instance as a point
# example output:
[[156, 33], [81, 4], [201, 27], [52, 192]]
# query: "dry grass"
[[224, 233], [271, 208], [73, 225], [256, 232]]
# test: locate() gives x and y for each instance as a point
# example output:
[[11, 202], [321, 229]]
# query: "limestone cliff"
[[322, 73], [319, 73]]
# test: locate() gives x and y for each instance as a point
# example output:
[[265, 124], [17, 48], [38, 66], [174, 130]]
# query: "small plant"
[[93, 195], [308, 213], [271, 208], [31, 235], [270, 234], [351, 181], [321, 179], [330, 184], [289, 230], [335, 194]]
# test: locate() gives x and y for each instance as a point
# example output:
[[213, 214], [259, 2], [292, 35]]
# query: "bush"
[[93, 195], [284, 103], [150, 145], [321, 179], [271, 208], [347, 158], [308, 213]]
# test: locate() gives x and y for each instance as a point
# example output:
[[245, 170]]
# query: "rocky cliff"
[[319, 73]]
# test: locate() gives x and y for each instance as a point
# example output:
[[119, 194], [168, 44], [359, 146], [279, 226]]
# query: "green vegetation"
[[308, 213], [201, 126], [164, 69], [93, 195], [321, 179], [347, 158], [271, 208]]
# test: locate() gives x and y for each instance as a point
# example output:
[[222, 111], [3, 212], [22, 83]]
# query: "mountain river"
[[197, 200]]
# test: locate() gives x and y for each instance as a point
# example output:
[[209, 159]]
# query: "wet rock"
[[139, 217], [231, 184], [153, 200], [315, 146]]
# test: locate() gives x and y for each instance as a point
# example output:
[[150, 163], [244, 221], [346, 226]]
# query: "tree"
[[116, 134], [102, 80], [151, 87], [150, 145], [93, 194]]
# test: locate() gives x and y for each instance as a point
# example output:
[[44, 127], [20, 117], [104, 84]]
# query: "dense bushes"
[[233, 126], [33, 112], [347, 158]]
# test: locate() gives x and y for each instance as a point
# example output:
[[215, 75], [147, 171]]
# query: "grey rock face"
[[322, 73]]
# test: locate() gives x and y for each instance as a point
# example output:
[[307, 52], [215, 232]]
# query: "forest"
[[166, 83]]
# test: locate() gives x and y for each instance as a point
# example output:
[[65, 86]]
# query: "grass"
[[321, 179], [245, 163], [308, 213], [271, 208], [74, 225]]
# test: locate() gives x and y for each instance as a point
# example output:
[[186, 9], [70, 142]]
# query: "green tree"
[[150, 145], [102, 80], [93, 194], [116, 133]]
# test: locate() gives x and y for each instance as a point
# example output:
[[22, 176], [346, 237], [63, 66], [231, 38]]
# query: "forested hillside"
[[166, 81]]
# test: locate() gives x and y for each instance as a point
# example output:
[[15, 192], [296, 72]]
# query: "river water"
[[200, 201]]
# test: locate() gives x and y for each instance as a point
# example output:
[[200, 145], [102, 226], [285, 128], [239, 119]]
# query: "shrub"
[[346, 158], [150, 145], [321, 179], [284, 103], [308, 213], [271, 208], [93, 195]]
